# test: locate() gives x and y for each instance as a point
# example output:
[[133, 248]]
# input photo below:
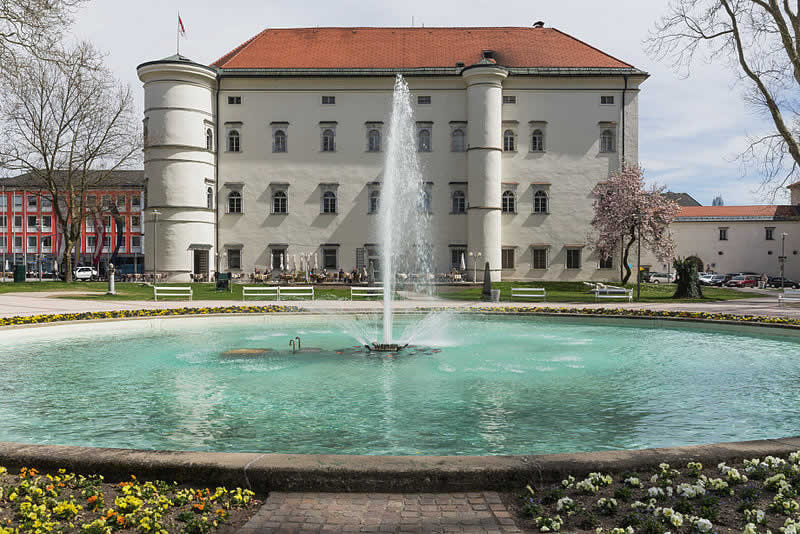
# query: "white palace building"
[[276, 148]]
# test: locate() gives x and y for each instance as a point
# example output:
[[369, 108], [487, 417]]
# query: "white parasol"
[[463, 263]]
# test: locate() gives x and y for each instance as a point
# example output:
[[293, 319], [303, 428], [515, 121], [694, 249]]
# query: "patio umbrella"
[[463, 263], [281, 262]]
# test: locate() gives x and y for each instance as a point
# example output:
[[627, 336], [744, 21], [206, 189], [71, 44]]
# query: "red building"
[[29, 232]]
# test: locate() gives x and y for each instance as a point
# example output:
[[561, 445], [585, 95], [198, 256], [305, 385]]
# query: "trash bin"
[[19, 273], [495, 295]]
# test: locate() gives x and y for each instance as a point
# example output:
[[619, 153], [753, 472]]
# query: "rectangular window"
[[507, 258], [2, 202], [135, 221], [770, 234], [31, 202], [47, 204], [91, 201], [47, 243], [423, 99], [540, 258], [509, 99], [723, 234], [2, 246], [136, 201], [328, 100], [107, 222], [234, 100], [17, 202], [17, 222], [91, 243], [234, 258], [136, 241], [121, 202], [105, 201], [607, 263], [47, 221], [573, 258], [17, 243], [32, 243], [3, 222], [607, 100], [329, 258], [455, 257], [106, 243], [33, 222]]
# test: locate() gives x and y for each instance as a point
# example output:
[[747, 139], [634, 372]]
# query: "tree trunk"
[[69, 245], [625, 253]]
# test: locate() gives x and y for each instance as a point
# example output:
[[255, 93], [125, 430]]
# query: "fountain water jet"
[[403, 211]]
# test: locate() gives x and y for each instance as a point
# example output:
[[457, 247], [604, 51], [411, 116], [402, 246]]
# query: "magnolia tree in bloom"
[[625, 208]]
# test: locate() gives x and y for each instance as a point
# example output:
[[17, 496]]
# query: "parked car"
[[84, 273], [661, 278], [777, 281], [704, 278], [748, 280], [716, 280]]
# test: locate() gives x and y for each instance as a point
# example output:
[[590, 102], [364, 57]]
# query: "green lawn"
[[556, 292], [578, 292]]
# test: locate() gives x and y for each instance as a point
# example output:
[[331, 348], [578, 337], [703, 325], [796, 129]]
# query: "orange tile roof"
[[738, 211], [401, 48]]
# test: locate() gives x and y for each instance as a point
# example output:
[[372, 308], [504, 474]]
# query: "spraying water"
[[403, 213]]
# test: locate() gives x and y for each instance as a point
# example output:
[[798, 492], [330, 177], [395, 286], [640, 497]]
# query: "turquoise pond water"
[[478, 386]]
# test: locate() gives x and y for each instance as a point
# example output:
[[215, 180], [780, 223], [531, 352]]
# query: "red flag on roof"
[[181, 29]]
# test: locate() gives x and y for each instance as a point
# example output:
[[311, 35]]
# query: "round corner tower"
[[179, 167], [484, 165]]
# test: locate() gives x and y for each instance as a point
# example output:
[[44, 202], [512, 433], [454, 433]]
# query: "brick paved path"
[[321, 513]]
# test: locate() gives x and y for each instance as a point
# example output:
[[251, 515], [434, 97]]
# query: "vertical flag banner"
[[181, 33]]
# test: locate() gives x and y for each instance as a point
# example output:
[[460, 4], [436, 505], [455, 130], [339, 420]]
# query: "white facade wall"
[[567, 108], [745, 250]]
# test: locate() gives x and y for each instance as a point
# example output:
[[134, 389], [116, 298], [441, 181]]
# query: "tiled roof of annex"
[[415, 48], [738, 213]]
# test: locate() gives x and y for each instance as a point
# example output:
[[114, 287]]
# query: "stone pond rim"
[[356, 473]]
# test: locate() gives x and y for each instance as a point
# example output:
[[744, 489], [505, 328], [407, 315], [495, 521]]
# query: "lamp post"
[[782, 258], [155, 214], [39, 257], [476, 255]]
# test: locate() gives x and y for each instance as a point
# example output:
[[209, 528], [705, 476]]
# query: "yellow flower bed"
[[36, 503]]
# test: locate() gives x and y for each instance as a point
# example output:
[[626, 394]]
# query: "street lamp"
[[782, 258], [476, 255], [155, 214]]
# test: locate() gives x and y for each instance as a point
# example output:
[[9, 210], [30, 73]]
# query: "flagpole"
[[178, 34]]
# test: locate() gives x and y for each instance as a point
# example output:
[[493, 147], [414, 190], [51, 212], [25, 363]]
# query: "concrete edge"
[[344, 473]]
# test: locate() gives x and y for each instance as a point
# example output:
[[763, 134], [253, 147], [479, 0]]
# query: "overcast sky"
[[690, 130]]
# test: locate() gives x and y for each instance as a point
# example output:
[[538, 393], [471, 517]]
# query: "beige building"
[[275, 150], [732, 239]]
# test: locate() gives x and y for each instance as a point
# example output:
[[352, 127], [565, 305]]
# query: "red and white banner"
[[181, 28]]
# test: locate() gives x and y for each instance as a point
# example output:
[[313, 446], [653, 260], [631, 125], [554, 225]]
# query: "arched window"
[[607, 141], [509, 141], [459, 202], [509, 202], [329, 202], [234, 202], [209, 139], [279, 141], [540, 202], [424, 144], [457, 142], [537, 141], [233, 141], [210, 198], [374, 200], [374, 141], [328, 144], [280, 202]]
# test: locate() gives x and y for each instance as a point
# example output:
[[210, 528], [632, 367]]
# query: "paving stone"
[[381, 513]]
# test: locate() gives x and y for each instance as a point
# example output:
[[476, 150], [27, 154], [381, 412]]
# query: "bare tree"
[[33, 27], [69, 127], [758, 39]]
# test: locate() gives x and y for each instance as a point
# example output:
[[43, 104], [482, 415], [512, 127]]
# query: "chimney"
[[538, 24]]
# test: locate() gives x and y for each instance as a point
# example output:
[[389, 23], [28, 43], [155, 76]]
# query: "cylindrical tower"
[[484, 163], [179, 167]]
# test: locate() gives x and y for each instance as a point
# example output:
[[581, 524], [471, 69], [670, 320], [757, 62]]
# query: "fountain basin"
[[496, 386]]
